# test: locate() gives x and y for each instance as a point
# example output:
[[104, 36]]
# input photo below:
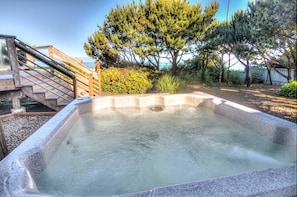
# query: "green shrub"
[[125, 80], [288, 90], [234, 78], [208, 78], [188, 76], [170, 84], [154, 75]]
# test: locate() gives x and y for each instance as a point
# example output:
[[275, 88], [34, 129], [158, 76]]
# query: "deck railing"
[[88, 80], [82, 80], [37, 67], [48, 69]]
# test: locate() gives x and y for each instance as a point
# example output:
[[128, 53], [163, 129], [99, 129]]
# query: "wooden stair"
[[51, 92], [53, 80]]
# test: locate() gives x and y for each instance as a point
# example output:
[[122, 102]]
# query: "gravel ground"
[[29, 104], [17, 129]]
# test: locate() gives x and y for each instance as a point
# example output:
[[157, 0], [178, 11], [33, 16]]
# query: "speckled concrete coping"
[[32, 156]]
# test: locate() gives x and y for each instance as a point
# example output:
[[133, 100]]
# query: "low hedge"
[[125, 80]]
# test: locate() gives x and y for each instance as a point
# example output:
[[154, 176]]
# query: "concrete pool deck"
[[32, 156]]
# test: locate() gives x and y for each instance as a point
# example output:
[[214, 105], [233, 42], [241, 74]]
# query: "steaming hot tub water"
[[124, 150]]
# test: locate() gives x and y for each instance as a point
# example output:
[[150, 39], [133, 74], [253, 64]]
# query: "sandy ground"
[[258, 96]]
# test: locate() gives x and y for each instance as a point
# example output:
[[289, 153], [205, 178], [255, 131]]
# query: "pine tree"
[[274, 33], [155, 29]]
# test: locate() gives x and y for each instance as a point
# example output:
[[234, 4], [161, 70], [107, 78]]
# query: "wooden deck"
[[6, 82]]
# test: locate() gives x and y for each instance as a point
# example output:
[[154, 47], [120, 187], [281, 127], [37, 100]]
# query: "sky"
[[67, 24]]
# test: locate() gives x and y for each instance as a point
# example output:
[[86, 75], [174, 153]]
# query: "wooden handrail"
[[50, 62], [87, 79], [22, 58], [42, 47], [68, 59]]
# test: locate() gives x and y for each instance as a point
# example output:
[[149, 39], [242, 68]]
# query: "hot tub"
[[20, 168]]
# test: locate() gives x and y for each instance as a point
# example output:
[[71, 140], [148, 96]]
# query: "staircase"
[[88, 80], [54, 83], [52, 91]]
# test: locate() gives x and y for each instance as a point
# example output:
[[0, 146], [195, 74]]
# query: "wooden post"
[[75, 88], [51, 55], [13, 59], [31, 60], [3, 147], [98, 70], [91, 87], [50, 51]]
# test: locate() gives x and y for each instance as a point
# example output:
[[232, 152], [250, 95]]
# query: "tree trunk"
[[280, 73], [229, 65], [247, 74], [204, 66], [203, 70], [269, 75], [295, 72], [247, 71], [221, 70], [289, 74], [268, 68], [174, 63]]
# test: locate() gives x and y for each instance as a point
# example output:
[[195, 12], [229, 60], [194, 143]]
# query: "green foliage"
[[205, 78], [234, 78], [125, 81], [188, 76], [288, 90], [154, 75], [267, 29], [152, 29], [208, 78], [205, 66], [98, 48], [273, 28], [213, 72], [256, 76], [170, 84]]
